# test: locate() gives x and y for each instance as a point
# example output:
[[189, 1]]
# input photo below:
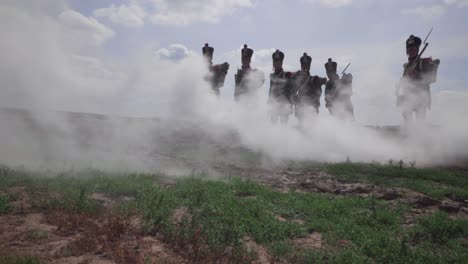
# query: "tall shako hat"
[[208, 52], [277, 55], [305, 60], [413, 41], [246, 52], [331, 66]]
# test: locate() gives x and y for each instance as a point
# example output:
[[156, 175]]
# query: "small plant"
[[38, 235], [401, 164], [19, 260], [153, 216], [440, 228], [4, 204]]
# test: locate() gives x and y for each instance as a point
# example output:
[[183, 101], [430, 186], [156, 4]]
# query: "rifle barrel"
[[345, 68]]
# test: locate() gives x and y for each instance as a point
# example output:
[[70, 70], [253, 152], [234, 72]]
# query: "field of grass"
[[435, 182], [218, 216]]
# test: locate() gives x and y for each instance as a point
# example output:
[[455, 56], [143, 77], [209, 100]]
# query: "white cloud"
[[332, 3], [131, 15], [458, 3], [79, 27], [184, 12], [426, 12], [174, 52]]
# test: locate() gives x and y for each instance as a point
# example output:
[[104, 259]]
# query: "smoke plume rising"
[[177, 122]]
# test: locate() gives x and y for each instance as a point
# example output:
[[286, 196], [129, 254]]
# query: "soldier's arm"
[[271, 85], [429, 69]]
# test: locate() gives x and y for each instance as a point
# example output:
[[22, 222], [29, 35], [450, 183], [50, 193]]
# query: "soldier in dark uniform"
[[331, 85], [218, 72], [279, 96], [413, 93], [344, 93], [247, 80], [338, 92], [307, 89]]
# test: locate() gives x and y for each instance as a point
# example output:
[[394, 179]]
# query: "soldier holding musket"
[[338, 92], [217, 73], [279, 96], [247, 80], [413, 91], [331, 85], [308, 89]]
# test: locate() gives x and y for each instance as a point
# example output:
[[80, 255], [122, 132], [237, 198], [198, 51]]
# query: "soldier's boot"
[[407, 115]]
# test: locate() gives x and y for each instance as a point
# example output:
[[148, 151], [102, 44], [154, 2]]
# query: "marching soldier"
[[345, 92], [331, 85], [217, 73], [247, 80], [279, 96], [413, 93], [338, 92], [308, 89]]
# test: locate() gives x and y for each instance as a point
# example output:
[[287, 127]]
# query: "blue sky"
[[292, 25]]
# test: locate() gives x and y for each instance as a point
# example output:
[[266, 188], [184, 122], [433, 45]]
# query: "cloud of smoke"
[[42, 72]]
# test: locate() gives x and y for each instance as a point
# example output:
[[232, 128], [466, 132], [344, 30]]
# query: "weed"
[[5, 206], [37, 235], [19, 260], [433, 182], [280, 249], [439, 228], [401, 164]]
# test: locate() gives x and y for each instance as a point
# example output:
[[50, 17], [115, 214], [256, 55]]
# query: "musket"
[[345, 68], [414, 63], [430, 31]]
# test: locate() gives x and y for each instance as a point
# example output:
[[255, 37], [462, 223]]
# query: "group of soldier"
[[299, 92]]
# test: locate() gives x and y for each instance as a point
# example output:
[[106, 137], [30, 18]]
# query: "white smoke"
[[41, 71]]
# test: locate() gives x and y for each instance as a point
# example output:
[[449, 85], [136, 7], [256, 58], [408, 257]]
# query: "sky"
[[369, 34]]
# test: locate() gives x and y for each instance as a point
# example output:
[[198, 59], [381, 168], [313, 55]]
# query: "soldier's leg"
[[316, 110], [284, 119], [421, 113], [273, 118], [216, 90], [350, 110]]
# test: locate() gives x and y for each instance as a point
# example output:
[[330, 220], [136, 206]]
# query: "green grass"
[[4, 204], [19, 260], [437, 183], [222, 213]]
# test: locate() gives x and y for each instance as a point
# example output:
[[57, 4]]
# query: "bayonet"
[[345, 68], [428, 34]]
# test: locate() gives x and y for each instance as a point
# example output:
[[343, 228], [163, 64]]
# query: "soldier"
[[331, 85], [279, 95], [413, 93], [247, 80], [217, 73], [345, 92], [308, 89], [338, 92]]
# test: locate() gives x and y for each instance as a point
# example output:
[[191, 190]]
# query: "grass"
[[437, 183], [4, 204], [221, 214], [19, 260]]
